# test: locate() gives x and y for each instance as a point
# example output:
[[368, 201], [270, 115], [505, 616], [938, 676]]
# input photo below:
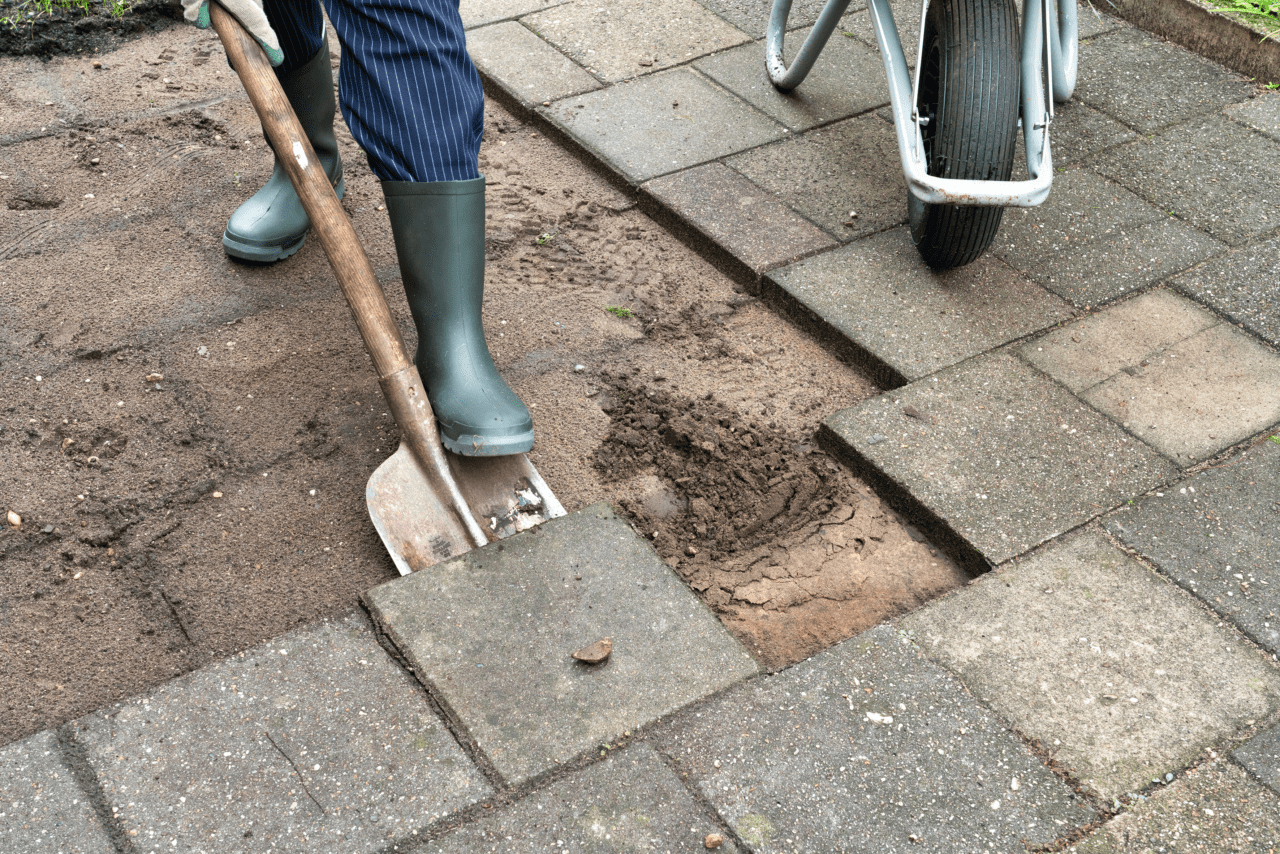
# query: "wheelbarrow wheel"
[[969, 91]]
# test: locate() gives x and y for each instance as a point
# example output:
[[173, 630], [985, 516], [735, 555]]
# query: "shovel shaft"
[[398, 376]]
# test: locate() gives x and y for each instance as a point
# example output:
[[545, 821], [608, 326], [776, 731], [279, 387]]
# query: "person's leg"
[[413, 101], [272, 224]]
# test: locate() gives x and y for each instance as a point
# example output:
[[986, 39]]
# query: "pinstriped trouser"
[[407, 87]]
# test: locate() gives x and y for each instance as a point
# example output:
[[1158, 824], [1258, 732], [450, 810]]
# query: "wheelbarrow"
[[957, 120]]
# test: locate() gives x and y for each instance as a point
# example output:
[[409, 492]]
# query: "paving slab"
[[476, 13], [631, 801], [619, 41], [524, 66], [1261, 756], [1089, 351], [995, 454], [1078, 131], [847, 79], [752, 16], [827, 174], [1093, 241], [1116, 672], [1216, 535], [1214, 808], [739, 216], [1209, 172], [1261, 113], [661, 123], [315, 742], [869, 747], [1244, 285], [1175, 84], [1197, 398], [42, 810], [492, 633], [878, 293]]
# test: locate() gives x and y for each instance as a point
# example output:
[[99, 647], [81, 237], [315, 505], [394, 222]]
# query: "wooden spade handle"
[[401, 384]]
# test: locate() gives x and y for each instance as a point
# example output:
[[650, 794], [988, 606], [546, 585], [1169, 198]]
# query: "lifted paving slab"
[[1213, 808], [630, 802], [42, 810], [315, 742], [1244, 285], [491, 633], [880, 295], [1116, 672], [1216, 534], [661, 123], [869, 747], [996, 455]]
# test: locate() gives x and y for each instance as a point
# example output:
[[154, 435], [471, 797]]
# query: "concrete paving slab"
[[629, 802], [867, 741], [1244, 285], [1216, 535], [1117, 673], [1078, 131], [739, 216], [661, 123], [880, 295], [42, 810], [1093, 241], [1175, 83], [1209, 172], [492, 633], [906, 15], [752, 16], [476, 13], [315, 742], [619, 41], [831, 172], [996, 455], [847, 79], [1214, 808], [1197, 398], [1261, 756], [527, 68], [1261, 113], [1095, 348]]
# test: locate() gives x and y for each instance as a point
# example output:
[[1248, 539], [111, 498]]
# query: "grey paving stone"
[[1117, 673], [315, 742], [851, 166], [1080, 130], [880, 295], [906, 15], [1199, 397], [739, 216], [525, 66], [623, 40], [1213, 808], [1093, 241], [1094, 21], [1083, 354], [868, 747], [1244, 285], [629, 802], [1216, 535], [1149, 84], [1209, 172], [476, 13], [1000, 455], [752, 16], [1261, 113], [1261, 755], [42, 810], [492, 632], [662, 123], [847, 79]]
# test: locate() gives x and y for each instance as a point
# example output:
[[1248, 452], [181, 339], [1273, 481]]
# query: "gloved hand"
[[247, 12]]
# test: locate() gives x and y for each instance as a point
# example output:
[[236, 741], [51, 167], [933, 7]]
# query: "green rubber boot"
[[439, 234], [272, 225]]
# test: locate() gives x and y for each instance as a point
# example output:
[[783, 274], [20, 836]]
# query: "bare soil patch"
[[187, 438]]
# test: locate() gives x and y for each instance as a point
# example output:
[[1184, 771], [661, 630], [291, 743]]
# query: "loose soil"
[[186, 439]]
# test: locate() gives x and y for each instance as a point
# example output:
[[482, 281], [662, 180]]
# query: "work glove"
[[249, 13]]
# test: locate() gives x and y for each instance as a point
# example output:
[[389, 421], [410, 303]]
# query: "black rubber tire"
[[969, 89]]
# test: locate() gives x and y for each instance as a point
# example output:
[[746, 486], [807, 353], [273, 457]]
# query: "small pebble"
[[154, 378], [596, 653], [577, 369], [14, 519], [713, 840]]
